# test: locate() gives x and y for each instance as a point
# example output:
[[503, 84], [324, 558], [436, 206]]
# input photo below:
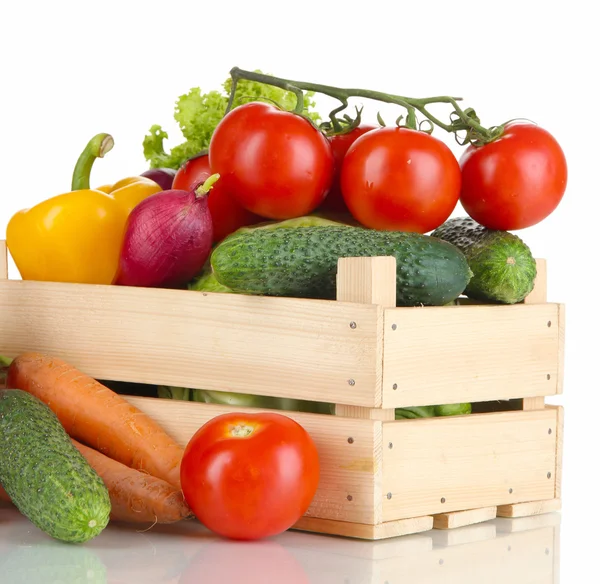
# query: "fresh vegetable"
[[128, 191], [226, 213], [162, 176], [177, 393], [167, 239], [73, 237], [198, 114], [514, 181], [96, 416], [136, 496], [453, 409], [274, 162], [206, 282], [302, 262], [250, 476], [334, 201], [504, 269], [400, 179], [45, 476], [415, 412]]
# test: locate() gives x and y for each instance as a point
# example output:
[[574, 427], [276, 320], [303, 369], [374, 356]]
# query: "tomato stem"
[[463, 120]]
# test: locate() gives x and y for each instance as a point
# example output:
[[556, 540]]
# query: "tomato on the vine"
[[400, 179], [226, 213], [250, 476], [275, 163], [334, 201], [514, 181]]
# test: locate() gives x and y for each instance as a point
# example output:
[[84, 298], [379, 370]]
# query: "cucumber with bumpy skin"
[[45, 475], [301, 262], [503, 266]]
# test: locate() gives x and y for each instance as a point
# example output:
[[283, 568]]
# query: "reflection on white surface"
[[507, 551]]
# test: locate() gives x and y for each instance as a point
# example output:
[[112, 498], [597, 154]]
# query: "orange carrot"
[[136, 497], [97, 416]]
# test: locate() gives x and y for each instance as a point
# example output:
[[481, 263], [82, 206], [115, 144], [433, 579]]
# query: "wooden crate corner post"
[[367, 280]]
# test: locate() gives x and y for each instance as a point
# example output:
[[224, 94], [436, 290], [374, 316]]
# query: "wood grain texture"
[[370, 280], [533, 403], [560, 428], [362, 531], [268, 346], [367, 413], [561, 348], [3, 260], [440, 465], [529, 508], [462, 518], [347, 485], [469, 353]]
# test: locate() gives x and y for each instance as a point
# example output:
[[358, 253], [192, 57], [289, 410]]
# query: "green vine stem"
[[460, 120]]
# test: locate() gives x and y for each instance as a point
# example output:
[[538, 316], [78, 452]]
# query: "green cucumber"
[[301, 262], [453, 409], [46, 477], [414, 412], [503, 266]]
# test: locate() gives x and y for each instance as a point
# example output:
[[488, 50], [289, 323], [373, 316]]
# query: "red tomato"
[[515, 181], [340, 144], [227, 214], [400, 179], [275, 163], [250, 476]]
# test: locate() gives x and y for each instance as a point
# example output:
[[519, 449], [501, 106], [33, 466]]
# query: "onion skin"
[[162, 176], [167, 240]]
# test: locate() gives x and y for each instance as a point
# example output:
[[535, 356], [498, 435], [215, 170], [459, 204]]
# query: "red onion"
[[168, 238], [162, 176]]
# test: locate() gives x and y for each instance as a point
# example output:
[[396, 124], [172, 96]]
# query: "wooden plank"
[[362, 531], [462, 518], [440, 465], [560, 423], [298, 348], [561, 348], [445, 354], [540, 288], [3, 260], [348, 468], [370, 280], [529, 508]]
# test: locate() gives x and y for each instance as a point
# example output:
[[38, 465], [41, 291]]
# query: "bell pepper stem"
[[97, 147]]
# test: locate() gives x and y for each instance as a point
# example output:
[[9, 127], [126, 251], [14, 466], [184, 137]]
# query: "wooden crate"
[[380, 477]]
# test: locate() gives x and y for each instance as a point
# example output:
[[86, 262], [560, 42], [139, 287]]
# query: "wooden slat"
[[462, 518], [3, 260], [436, 355], [560, 423], [362, 531], [561, 348], [347, 482], [440, 465], [529, 508], [305, 349]]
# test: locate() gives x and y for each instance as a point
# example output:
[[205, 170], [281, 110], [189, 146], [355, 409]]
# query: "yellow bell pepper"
[[76, 236], [131, 190]]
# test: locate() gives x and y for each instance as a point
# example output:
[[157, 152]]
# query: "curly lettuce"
[[198, 114]]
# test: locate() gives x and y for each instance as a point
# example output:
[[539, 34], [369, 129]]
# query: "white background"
[[72, 69]]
